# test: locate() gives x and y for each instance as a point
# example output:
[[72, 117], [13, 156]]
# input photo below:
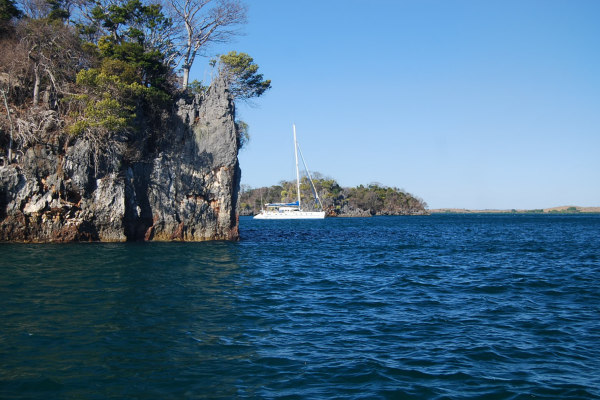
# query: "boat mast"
[[310, 178], [297, 171]]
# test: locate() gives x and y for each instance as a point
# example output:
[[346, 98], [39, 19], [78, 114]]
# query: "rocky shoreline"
[[349, 213], [182, 185]]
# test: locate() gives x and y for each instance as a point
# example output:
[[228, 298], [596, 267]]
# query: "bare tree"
[[35, 9], [202, 22], [10, 122], [53, 51], [13, 65]]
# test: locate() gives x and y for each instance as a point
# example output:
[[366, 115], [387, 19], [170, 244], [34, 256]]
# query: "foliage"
[[150, 69], [132, 78], [101, 116], [196, 87], [382, 199], [8, 11], [241, 130], [58, 10], [241, 73], [108, 102], [134, 33]]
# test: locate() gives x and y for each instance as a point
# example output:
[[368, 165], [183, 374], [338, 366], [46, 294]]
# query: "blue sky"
[[468, 104]]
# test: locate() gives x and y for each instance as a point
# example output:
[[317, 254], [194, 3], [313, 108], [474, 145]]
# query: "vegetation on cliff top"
[[372, 199], [107, 69]]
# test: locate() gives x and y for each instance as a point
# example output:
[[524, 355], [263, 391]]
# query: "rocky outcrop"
[[349, 211], [182, 185]]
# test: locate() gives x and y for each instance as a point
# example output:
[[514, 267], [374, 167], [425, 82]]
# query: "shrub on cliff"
[[242, 75]]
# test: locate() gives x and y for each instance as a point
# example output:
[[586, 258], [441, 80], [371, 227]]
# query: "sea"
[[473, 306]]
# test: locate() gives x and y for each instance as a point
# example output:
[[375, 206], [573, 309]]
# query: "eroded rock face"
[[184, 189]]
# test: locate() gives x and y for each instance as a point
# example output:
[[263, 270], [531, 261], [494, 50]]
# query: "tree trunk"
[[36, 86], [186, 77], [10, 143]]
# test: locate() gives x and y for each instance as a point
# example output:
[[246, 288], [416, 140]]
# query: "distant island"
[[553, 210], [338, 201]]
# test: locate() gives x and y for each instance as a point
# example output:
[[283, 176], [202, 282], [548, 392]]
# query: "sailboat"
[[293, 210]]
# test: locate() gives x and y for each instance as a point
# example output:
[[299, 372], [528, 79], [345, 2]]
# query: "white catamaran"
[[293, 210]]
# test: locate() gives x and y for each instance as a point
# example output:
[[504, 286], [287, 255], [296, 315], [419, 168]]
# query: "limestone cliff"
[[181, 186]]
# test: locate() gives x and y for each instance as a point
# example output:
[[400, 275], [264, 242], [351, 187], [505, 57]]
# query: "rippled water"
[[445, 306]]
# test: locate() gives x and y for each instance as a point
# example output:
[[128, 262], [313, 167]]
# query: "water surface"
[[443, 306]]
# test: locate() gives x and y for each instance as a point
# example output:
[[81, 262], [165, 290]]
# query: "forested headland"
[[110, 70], [338, 201], [105, 136]]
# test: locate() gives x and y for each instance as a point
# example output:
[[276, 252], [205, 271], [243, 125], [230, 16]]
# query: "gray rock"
[[186, 189]]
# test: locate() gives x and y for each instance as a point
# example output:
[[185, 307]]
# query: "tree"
[[107, 101], [59, 10], [202, 22], [53, 52], [8, 11], [137, 34], [375, 198], [35, 9], [241, 73], [131, 20], [241, 130]]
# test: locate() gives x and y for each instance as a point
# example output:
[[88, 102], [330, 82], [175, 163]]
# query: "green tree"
[[132, 75], [8, 11], [241, 73], [196, 87], [59, 10], [135, 33], [376, 198], [241, 130]]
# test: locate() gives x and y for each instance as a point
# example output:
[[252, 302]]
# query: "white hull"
[[293, 210], [290, 215]]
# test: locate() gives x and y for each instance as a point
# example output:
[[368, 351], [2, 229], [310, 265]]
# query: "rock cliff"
[[182, 185]]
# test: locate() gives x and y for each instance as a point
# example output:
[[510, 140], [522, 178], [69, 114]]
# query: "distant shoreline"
[[552, 210]]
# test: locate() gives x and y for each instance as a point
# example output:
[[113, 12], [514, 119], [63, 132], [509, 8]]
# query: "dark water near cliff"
[[495, 307]]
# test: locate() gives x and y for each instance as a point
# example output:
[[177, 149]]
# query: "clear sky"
[[467, 104]]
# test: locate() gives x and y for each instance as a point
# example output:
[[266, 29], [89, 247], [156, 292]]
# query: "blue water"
[[432, 307]]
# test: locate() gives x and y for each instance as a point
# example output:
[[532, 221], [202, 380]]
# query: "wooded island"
[[338, 201]]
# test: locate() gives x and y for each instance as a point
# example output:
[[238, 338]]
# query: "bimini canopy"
[[294, 204]]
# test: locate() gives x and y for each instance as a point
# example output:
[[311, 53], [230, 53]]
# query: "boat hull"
[[291, 215]]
